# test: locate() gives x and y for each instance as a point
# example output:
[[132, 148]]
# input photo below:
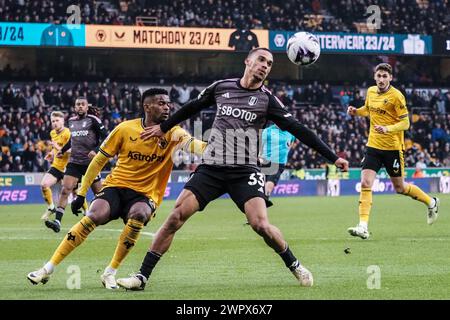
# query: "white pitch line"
[[423, 239], [63, 231], [150, 234]]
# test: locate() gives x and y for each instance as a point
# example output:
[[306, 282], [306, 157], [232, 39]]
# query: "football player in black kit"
[[87, 133], [229, 164]]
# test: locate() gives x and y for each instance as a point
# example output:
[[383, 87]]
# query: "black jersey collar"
[[238, 83]]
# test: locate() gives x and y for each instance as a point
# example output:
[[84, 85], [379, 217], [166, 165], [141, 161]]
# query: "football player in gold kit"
[[59, 136], [386, 107], [134, 188]]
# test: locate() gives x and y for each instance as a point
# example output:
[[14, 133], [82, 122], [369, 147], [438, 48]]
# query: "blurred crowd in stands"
[[25, 119], [397, 16]]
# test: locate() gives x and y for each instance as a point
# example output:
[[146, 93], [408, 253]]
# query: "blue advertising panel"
[[381, 186], [334, 42], [25, 195], [42, 34], [292, 188], [289, 188], [32, 194]]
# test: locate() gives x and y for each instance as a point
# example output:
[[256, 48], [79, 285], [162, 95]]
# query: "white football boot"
[[48, 213], [109, 280], [39, 276], [303, 275], [433, 212], [135, 282], [359, 231]]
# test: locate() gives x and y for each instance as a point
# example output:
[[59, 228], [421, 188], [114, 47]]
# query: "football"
[[303, 48]]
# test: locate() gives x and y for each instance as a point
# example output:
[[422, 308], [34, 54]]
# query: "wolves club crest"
[[162, 143]]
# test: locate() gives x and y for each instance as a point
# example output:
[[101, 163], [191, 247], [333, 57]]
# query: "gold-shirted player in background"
[[386, 107], [59, 136], [134, 188]]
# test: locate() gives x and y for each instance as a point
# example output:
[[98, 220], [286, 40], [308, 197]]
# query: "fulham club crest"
[[252, 101]]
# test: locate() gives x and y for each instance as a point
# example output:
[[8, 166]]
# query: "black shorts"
[[275, 177], [392, 160], [121, 200], [56, 173], [78, 170], [209, 183]]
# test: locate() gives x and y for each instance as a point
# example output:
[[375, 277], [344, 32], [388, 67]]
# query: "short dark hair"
[[153, 92], [257, 49], [384, 67], [81, 98]]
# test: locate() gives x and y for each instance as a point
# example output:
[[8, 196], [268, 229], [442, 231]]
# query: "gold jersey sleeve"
[[364, 110], [386, 109], [60, 139], [187, 143], [143, 166]]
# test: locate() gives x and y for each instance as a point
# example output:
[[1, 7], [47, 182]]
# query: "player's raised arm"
[[204, 100], [66, 147], [106, 151], [95, 166], [188, 143], [360, 112], [401, 125], [283, 119], [100, 131]]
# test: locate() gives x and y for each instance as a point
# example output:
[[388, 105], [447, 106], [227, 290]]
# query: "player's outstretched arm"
[[308, 137], [152, 131], [66, 147], [204, 100], [341, 164], [188, 143], [184, 113], [101, 133], [361, 112], [96, 165], [402, 125], [283, 119]]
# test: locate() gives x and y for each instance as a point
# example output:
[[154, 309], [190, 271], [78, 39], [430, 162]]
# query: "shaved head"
[[251, 52]]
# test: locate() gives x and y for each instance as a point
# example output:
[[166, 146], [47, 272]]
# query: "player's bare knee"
[[65, 191], [175, 220], [399, 189], [45, 186], [366, 183], [138, 215], [94, 217], [98, 217], [261, 228]]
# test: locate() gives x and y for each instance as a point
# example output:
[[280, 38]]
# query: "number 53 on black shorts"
[[210, 182]]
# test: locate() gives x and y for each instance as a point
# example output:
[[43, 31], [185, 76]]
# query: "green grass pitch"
[[216, 256]]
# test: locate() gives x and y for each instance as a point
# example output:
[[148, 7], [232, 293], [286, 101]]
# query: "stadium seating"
[[425, 17], [25, 123]]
